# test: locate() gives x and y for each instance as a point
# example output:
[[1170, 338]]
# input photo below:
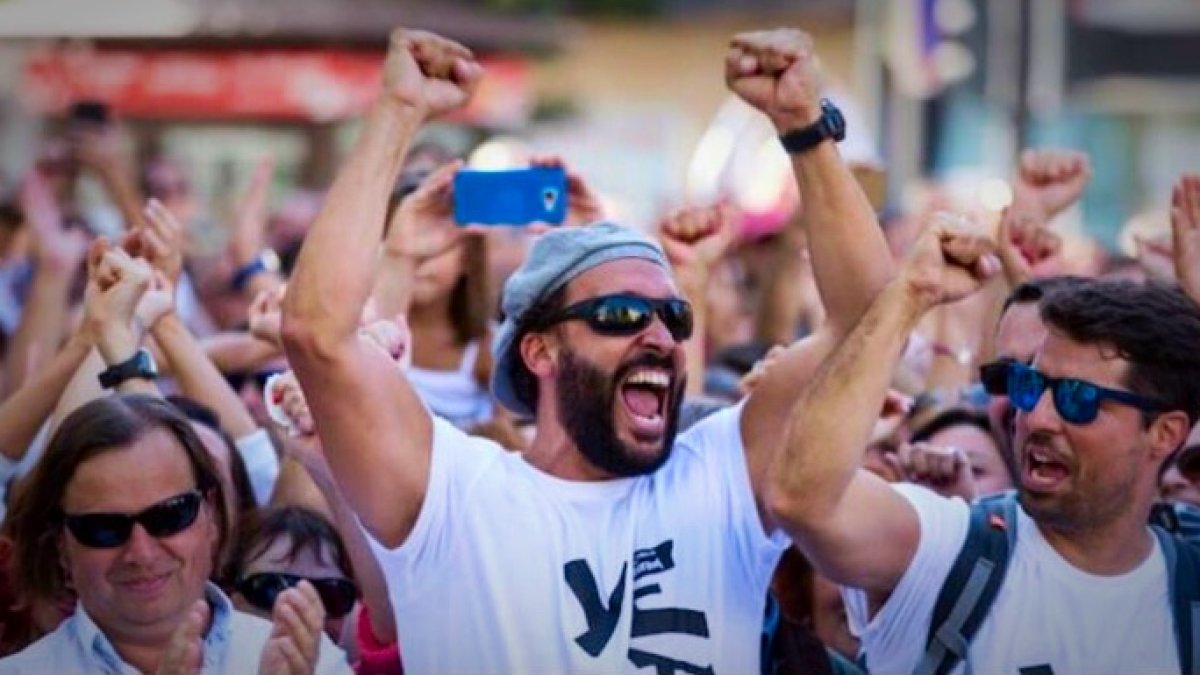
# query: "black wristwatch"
[[141, 364], [830, 125]]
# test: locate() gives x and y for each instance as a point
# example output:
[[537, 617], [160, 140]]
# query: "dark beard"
[[586, 400]]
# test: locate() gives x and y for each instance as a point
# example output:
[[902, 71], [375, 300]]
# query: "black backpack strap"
[[1183, 573], [972, 584]]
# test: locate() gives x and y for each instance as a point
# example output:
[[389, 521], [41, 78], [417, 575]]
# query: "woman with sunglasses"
[[278, 547]]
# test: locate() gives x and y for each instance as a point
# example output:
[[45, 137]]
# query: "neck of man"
[[553, 451], [1107, 550], [144, 649]]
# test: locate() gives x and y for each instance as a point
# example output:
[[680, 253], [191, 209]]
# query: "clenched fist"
[[776, 72], [428, 73]]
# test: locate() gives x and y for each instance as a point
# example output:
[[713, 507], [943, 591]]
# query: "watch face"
[[835, 123]]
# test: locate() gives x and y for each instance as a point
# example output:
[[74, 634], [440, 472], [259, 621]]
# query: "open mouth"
[[1043, 471], [644, 394]]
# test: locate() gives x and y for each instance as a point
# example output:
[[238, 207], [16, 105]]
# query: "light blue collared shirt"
[[233, 644]]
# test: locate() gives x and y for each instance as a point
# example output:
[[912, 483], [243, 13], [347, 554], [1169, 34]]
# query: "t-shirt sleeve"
[[717, 440], [457, 460], [262, 463], [894, 638]]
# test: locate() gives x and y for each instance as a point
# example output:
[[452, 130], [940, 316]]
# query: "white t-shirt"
[[511, 570], [1047, 612]]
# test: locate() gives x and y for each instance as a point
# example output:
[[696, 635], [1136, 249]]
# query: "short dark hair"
[[307, 528], [100, 426], [1035, 289], [1153, 326], [525, 385]]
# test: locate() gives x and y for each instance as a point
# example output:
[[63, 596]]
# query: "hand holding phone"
[[511, 197]]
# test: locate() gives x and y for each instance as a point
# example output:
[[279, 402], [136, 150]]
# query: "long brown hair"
[[103, 425], [470, 300]]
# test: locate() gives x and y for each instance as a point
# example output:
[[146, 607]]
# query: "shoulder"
[[710, 425], [53, 652]]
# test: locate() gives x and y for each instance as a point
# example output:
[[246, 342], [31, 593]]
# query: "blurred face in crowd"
[[729, 321], [140, 590], [59, 167], [1177, 488], [1018, 336], [307, 562], [618, 396], [1083, 476], [435, 277], [987, 467], [166, 181], [218, 449]]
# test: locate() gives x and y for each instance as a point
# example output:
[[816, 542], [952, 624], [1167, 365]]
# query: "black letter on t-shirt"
[[601, 622], [665, 666]]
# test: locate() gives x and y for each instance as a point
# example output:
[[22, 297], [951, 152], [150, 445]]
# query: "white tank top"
[[454, 395]]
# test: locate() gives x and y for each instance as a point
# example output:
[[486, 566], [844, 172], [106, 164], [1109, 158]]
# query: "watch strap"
[[140, 365], [830, 124]]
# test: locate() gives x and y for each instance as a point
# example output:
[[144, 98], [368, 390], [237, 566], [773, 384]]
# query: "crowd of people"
[[338, 444]]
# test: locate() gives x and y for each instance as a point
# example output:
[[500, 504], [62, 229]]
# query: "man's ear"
[[539, 351], [1168, 431]]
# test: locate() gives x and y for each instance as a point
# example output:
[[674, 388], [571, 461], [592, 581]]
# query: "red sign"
[[270, 84]]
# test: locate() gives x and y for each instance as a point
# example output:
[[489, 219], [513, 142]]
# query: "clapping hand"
[[298, 620]]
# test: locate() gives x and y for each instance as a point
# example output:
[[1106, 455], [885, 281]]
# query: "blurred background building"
[[630, 91]]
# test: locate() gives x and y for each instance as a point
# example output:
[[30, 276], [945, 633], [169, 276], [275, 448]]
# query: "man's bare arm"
[[775, 71], [375, 430], [852, 525]]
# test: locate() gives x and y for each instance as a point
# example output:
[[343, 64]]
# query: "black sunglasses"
[[1077, 401], [109, 530], [261, 590], [237, 380], [625, 314], [994, 376]]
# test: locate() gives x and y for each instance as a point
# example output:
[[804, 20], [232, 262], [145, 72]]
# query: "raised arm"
[[422, 227], [775, 71], [23, 413], [375, 430], [98, 151], [252, 274], [695, 240], [196, 375], [855, 528], [57, 254], [1185, 234]]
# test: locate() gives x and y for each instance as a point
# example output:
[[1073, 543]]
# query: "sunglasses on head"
[[1077, 401], [624, 314], [261, 590], [109, 530]]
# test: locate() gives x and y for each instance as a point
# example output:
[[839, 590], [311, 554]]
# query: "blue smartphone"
[[511, 197]]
